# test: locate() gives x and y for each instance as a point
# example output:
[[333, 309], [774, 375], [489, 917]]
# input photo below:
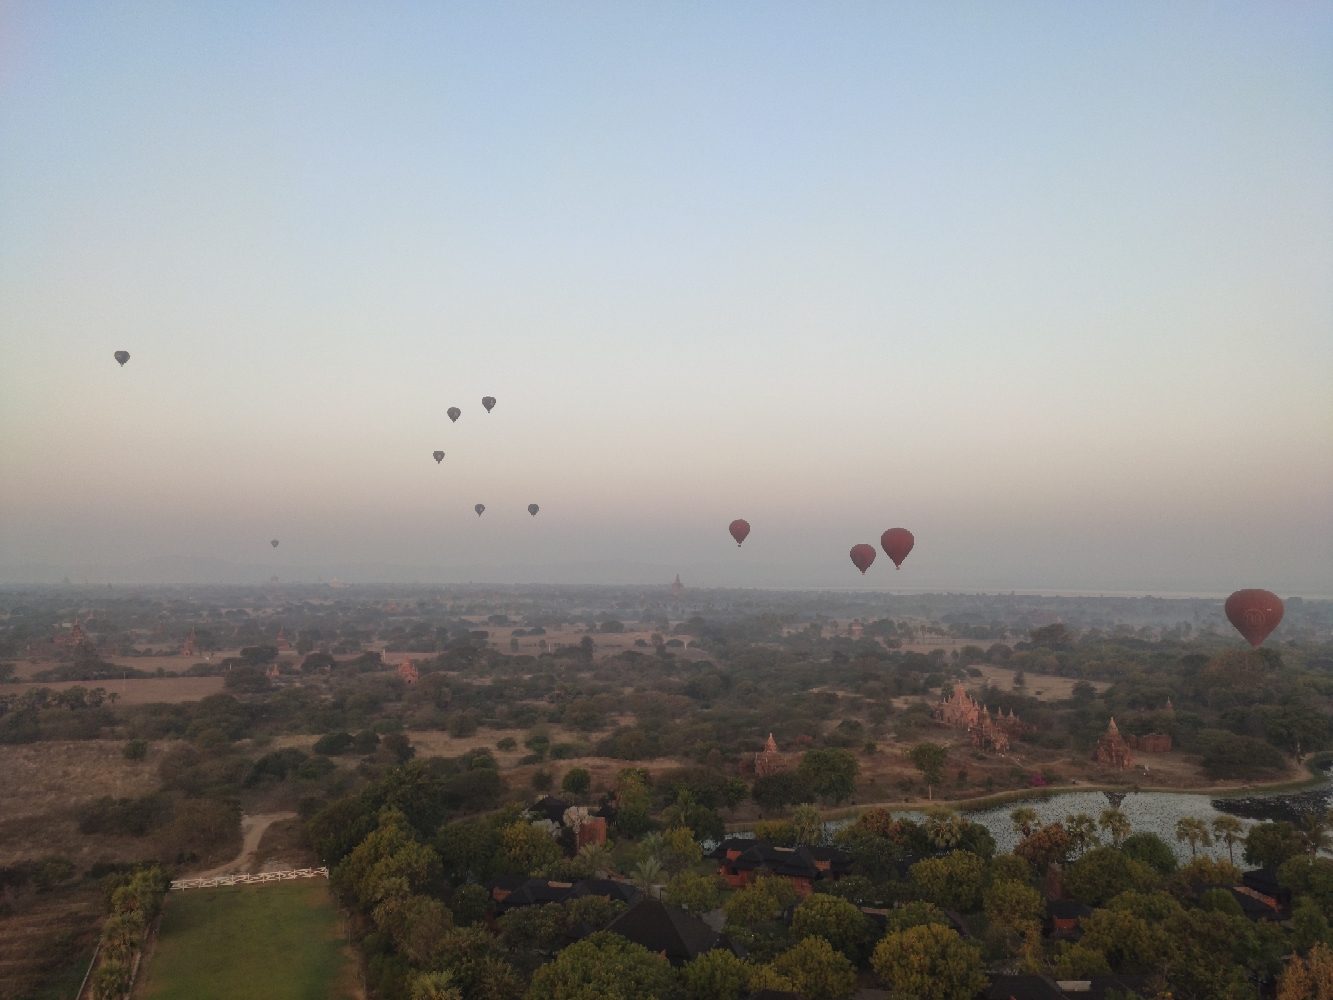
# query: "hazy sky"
[[1049, 284]]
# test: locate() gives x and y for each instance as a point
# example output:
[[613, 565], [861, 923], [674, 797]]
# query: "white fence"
[[283, 876]]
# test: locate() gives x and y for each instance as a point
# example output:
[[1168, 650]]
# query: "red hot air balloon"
[[739, 529], [1255, 613], [862, 556], [896, 543]]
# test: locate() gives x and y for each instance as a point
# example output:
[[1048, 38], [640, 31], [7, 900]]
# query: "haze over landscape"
[[1054, 288]]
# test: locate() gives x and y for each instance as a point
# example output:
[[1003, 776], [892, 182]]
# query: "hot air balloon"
[[896, 543], [274, 543], [739, 528], [480, 509], [862, 556], [438, 456], [122, 357], [1255, 613], [454, 413], [532, 509], [488, 402]]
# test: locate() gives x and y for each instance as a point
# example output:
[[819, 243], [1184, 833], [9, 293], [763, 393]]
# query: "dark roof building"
[[667, 931], [549, 807]]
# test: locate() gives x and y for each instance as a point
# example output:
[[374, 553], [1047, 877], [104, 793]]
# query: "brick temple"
[[1112, 749]]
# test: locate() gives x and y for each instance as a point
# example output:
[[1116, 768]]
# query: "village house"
[[740, 861]]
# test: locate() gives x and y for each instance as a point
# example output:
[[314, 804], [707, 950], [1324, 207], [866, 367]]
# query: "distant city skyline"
[[1050, 286]]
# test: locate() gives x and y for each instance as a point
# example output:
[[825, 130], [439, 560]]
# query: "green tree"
[[774, 791], [929, 759], [695, 893], [1024, 819], [434, 986], [634, 801], [831, 773], [816, 970], [527, 849], [835, 920], [576, 781], [605, 965], [680, 851], [1152, 850], [759, 901], [929, 962], [807, 826], [1012, 905], [1309, 926], [1124, 938], [1116, 823], [952, 882], [1105, 872], [716, 975], [1047, 846], [1268, 845], [111, 981], [1193, 830], [1228, 829], [1309, 978]]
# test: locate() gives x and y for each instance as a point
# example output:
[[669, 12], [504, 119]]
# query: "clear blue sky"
[[1049, 284]]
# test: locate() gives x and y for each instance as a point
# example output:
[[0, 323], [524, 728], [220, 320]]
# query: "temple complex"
[[678, 588], [1112, 749], [408, 672], [768, 761], [282, 642], [189, 648], [987, 732]]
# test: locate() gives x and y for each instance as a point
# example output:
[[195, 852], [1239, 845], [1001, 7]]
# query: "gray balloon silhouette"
[[438, 456], [480, 508], [454, 413], [532, 509], [274, 543], [122, 357], [488, 402]]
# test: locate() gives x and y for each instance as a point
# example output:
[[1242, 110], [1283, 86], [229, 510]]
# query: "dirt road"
[[252, 832]]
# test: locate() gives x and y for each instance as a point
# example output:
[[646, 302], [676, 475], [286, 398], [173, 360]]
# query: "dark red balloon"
[[896, 543], [862, 556], [739, 528], [1255, 613]]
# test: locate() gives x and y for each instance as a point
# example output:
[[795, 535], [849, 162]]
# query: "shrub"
[[333, 744], [135, 750]]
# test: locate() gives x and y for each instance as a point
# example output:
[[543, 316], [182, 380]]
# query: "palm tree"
[[1194, 830], [1116, 823], [1025, 820], [1082, 831], [1228, 830], [647, 875]]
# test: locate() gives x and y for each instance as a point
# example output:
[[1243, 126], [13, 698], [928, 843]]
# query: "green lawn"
[[253, 941]]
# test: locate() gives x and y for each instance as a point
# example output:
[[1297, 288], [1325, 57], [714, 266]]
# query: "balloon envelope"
[[438, 456], [479, 509], [122, 357], [1255, 613], [274, 543], [739, 528], [896, 543], [532, 509], [862, 556], [454, 413], [488, 402]]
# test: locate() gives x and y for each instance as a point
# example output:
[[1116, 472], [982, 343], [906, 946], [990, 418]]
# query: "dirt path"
[[252, 832]]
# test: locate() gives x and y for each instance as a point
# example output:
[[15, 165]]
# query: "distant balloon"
[[739, 529], [896, 543], [122, 357], [862, 556], [454, 413], [274, 543], [532, 509], [489, 403], [1255, 613], [480, 509], [438, 456]]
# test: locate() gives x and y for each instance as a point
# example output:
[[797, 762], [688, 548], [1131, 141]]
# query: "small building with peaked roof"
[[768, 761], [669, 931], [1112, 748]]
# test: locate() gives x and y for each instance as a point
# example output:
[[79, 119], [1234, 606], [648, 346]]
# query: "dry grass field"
[[142, 691], [47, 940]]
